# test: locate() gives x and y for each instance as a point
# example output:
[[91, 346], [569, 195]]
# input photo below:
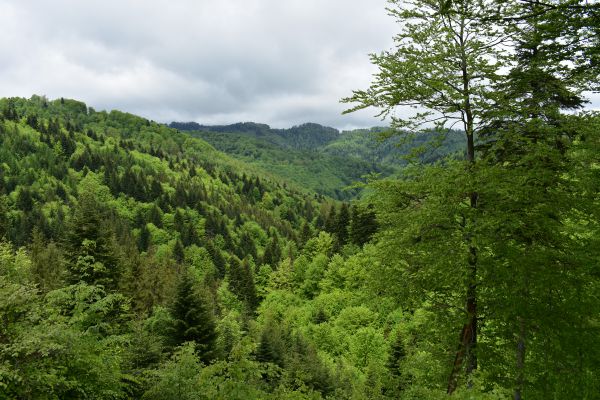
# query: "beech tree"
[[504, 72], [444, 64]]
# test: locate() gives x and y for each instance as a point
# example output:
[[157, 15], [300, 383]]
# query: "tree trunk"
[[520, 360], [468, 335]]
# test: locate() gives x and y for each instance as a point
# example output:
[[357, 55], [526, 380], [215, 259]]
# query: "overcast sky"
[[281, 62]]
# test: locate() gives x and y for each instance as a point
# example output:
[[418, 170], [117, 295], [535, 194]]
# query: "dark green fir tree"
[[363, 224], [90, 244], [193, 320], [178, 251]]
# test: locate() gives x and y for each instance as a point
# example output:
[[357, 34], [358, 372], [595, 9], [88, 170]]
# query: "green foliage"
[[111, 207], [178, 378], [139, 262], [90, 241], [363, 224], [498, 227], [271, 346], [313, 156], [241, 282], [193, 320], [63, 345]]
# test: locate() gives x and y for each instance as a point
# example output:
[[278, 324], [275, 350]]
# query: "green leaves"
[[444, 64]]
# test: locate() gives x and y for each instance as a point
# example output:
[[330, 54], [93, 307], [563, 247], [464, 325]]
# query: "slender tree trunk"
[[472, 312], [520, 360], [468, 336]]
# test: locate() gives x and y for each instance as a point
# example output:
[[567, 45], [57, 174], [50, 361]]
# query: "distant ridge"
[[304, 136], [237, 127], [314, 156]]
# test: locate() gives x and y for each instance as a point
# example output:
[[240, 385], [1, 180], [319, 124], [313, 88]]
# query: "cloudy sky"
[[281, 62]]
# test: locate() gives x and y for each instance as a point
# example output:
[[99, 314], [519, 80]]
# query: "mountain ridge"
[[321, 158]]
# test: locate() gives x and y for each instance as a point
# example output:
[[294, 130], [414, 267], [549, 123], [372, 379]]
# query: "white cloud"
[[213, 61]]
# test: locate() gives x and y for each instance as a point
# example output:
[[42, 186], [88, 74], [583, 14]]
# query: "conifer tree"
[[271, 347], [330, 220], [179, 221], [3, 217], [180, 196], [47, 261], [397, 354], [241, 281], [363, 224], [144, 238], [156, 189], [342, 222], [217, 259], [90, 244], [530, 135], [247, 246], [178, 251], [155, 216], [272, 252], [305, 233], [24, 200], [193, 320]]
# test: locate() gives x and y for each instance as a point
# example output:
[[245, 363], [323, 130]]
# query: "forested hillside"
[[124, 239], [138, 261], [322, 158]]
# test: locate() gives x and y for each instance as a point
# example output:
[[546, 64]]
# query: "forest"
[[321, 158], [145, 261]]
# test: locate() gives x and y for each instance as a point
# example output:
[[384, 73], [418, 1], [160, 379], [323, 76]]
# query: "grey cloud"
[[214, 61]]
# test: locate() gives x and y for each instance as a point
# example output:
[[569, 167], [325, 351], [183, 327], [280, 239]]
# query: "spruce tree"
[[90, 243], [363, 224], [342, 221], [396, 355], [3, 213], [144, 238], [241, 282], [155, 216], [271, 347], [193, 320], [24, 200], [330, 220], [47, 262], [178, 251], [217, 259], [529, 144], [272, 253], [305, 233], [247, 246], [179, 221]]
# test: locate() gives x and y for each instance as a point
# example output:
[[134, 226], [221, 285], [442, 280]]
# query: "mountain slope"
[[141, 164], [128, 249], [317, 157]]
